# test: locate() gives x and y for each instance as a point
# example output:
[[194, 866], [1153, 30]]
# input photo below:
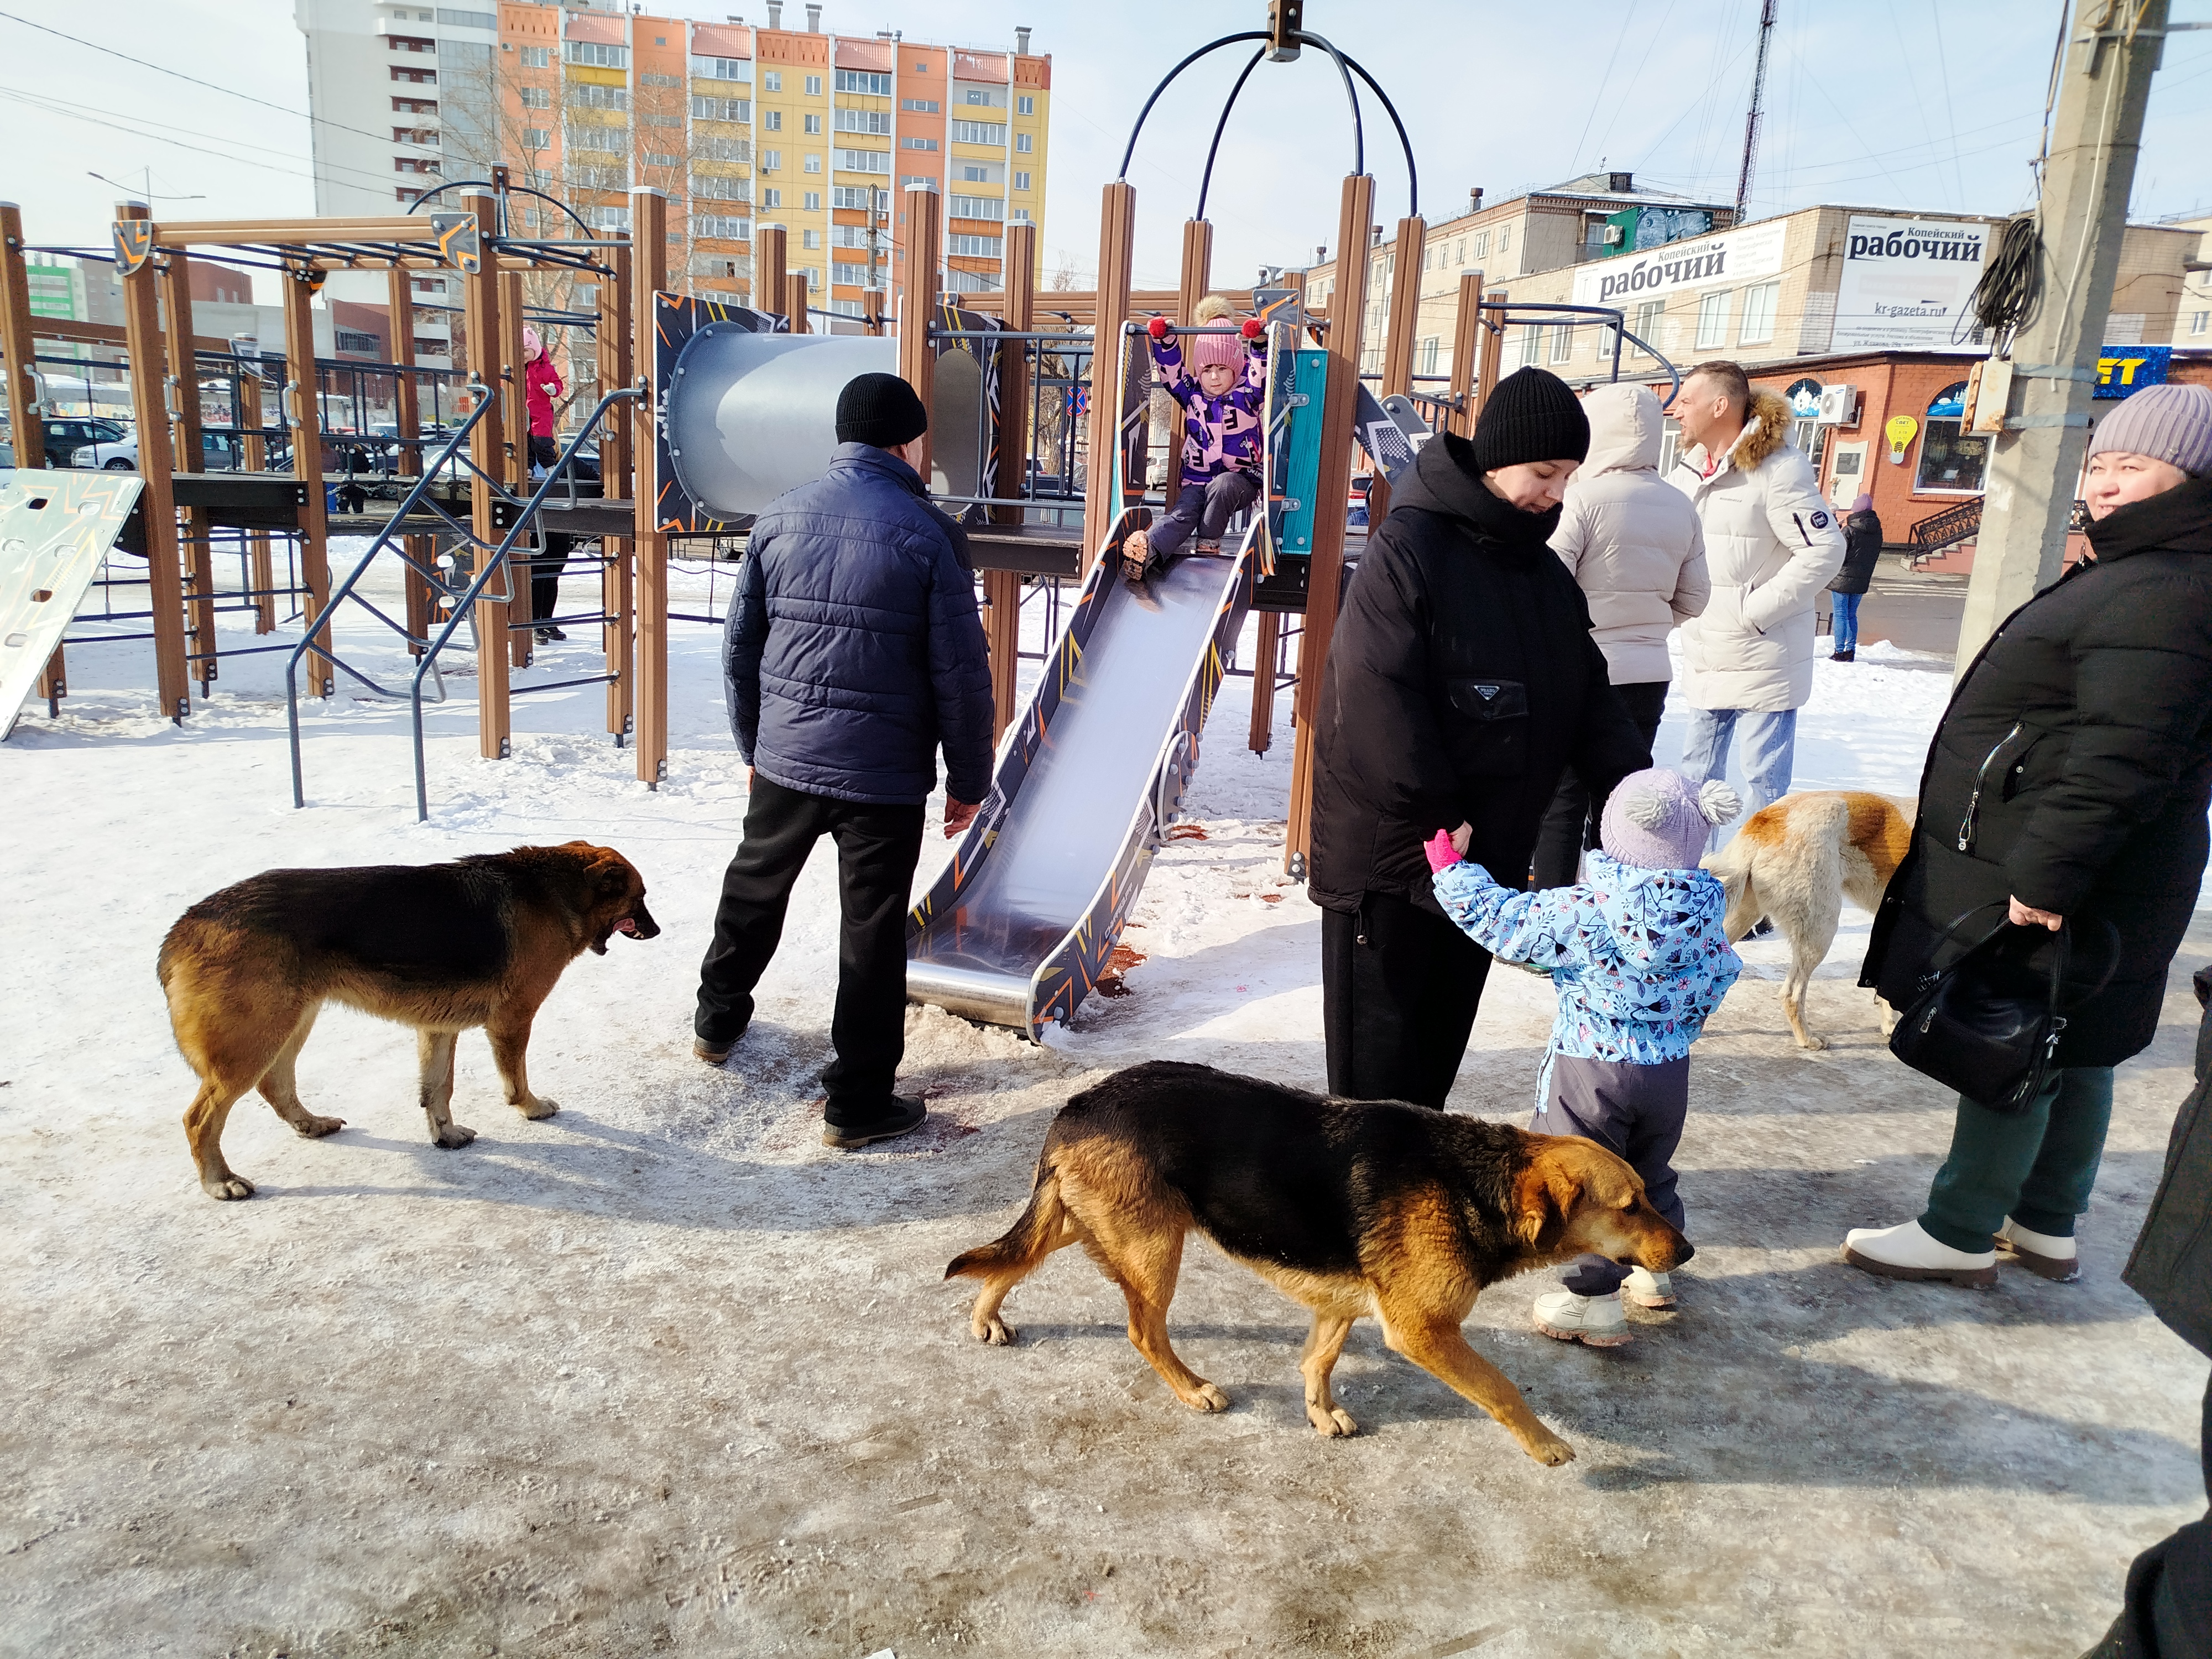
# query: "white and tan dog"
[[1795, 862]]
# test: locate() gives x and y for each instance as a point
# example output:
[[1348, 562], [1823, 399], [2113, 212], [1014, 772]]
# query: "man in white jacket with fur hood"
[[1772, 545]]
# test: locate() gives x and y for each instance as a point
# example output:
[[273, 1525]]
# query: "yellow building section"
[[588, 75]]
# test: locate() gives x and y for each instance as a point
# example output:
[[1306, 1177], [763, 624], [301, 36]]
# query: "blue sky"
[[1887, 103]]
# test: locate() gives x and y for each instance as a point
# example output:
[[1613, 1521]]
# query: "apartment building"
[[740, 124]]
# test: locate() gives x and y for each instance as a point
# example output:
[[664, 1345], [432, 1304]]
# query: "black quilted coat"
[[2072, 770], [1461, 681]]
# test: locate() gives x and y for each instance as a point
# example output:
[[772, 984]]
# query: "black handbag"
[[1988, 1025]]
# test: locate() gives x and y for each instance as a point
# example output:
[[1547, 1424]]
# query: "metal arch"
[[582, 223], [1351, 97], [1130, 149], [1413, 173], [1206, 181]]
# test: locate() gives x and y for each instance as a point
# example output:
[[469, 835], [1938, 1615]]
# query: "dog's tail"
[[1023, 1244], [1732, 865]]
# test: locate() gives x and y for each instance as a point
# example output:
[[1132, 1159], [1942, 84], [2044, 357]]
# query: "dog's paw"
[[1812, 1042], [1333, 1423], [537, 1107], [1207, 1397], [994, 1330], [1551, 1451], [314, 1128], [227, 1186], [453, 1136]]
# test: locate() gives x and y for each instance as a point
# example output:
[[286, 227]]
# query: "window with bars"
[[861, 80]]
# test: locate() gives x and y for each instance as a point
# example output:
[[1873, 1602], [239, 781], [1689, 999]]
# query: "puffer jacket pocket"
[[1490, 738]]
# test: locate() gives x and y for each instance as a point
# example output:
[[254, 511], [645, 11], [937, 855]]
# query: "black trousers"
[[551, 559], [1572, 824], [877, 850], [1399, 988]]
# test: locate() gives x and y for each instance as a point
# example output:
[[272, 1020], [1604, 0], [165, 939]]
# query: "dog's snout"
[[1683, 1251], [643, 926]]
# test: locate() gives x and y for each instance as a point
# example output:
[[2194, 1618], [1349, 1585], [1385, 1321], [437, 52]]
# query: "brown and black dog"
[[441, 947], [1349, 1207]]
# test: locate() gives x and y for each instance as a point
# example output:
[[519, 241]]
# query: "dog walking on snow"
[[1639, 961]]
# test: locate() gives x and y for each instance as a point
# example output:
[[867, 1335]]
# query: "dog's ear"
[[1544, 1197], [611, 873]]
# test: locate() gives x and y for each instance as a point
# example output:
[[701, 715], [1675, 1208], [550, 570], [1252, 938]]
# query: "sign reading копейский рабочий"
[[1905, 285]]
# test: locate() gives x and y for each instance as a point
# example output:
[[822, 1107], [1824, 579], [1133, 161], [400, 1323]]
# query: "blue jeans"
[[1770, 747], [1845, 610]]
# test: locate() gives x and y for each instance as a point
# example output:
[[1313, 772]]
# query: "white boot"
[[2045, 1255], [1906, 1251], [1595, 1320], [1648, 1290]]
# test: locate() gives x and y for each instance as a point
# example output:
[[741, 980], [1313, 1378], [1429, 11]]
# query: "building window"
[[419, 77], [2199, 321], [848, 275], [596, 54], [1481, 244], [813, 201], [721, 109], [858, 197], [863, 160], [861, 120], [772, 120], [771, 198], [613, 140], [772, 80], [813, 122], [1712, 320], [1026, 105], [536, 138], [1021, 215], [585, 95], [1949, 462], [810, 238], [1759, 304], [725, 150], [710, 187], [993, 133], [917, 144], [1532, 342], [727, 226], [537, 58], [919, 106], [971, 175], [1432, 348], [1021, 181], [975, 248], [921, 68], [917, 179], [1646, 326], [1563, 342], [873, 86], [1504, 239], [648, 79], [1670, 444], [532, 98], [976, 207], [770, 159], [723, 69], [1024, 144], [813, 86], [813, 163]]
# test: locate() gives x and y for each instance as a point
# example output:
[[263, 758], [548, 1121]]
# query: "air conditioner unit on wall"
[[1615, 235], [1840, 406]]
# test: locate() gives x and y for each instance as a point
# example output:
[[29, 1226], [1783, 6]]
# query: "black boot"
[[1851, 655]]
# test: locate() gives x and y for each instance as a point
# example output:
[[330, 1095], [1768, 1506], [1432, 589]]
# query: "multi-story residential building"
[[741, 126]]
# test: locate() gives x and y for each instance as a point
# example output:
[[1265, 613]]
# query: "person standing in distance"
[[854, 650], [1861, 552], [1772, 545]]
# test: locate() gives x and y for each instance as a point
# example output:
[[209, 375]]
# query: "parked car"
[[85, 440], [219, 453]]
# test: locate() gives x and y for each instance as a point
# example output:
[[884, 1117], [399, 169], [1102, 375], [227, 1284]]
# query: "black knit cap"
[[1532, 415], [883, 409]]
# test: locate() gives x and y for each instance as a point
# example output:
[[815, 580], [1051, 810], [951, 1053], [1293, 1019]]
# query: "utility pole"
[[2087, 175], [1751, 119]]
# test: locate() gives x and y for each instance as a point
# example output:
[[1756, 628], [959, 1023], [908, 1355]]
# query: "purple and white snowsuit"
[[1221, 439]]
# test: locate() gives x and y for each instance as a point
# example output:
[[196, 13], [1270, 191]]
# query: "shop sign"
[[1906, 284], [1804, 397], [2124, 370], [1694, 262]]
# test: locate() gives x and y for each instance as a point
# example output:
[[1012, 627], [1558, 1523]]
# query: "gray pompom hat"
[[1660, 820]]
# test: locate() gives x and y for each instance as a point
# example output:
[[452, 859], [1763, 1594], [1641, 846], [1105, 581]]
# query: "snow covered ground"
[[662, 1374]]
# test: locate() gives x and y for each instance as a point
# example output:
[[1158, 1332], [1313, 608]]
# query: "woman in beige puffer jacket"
[[1633, 544]]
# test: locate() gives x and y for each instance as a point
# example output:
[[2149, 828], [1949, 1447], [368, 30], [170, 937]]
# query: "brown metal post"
[[1117, 234], [521, 642], [1262, 735], [1002, 589], [1398, 341], [612, 337], [157, 499], [488, 452], [648, 220], [28, 431], [1466, 345], [1347, 311], [1492, 348], [769, 273], [190, 456], [407, 462], [1197, 281], [253, 457], [794, 300], [303, 414], [917, 353]]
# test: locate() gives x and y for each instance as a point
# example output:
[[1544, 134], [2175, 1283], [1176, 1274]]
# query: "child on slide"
[[1639, 961], [1221, 391]]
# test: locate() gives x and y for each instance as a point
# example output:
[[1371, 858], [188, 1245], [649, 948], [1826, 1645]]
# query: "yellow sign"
[[1899, 430]]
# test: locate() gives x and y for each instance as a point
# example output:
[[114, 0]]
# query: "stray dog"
[[1797, 861], [1348, 1206], [442, 947]]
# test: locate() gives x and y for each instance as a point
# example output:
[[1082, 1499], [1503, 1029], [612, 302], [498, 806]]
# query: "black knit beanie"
[[881, 410], [1530, 417]]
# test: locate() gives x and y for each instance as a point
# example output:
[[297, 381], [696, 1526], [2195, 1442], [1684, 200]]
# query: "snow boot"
[[713, 1053], [2045, 1255], [1906, 1251], [1596, 1321], [1845, 656], [903, 1115], [1648, 1290]]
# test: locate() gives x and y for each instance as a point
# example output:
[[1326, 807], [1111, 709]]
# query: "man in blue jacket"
[[853, 649]]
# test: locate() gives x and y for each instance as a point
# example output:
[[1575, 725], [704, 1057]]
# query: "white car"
[[218, 455]]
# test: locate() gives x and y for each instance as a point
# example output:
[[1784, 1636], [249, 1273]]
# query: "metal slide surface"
[[55, 528], [1018, 929]]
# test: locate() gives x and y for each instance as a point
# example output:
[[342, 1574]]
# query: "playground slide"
[[1018, 927], [55, 528]]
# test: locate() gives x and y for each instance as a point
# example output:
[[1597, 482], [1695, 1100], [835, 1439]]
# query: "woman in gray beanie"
[[2068, 784]]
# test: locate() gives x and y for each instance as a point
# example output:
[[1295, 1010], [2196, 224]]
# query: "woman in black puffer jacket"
[[2067, 782]]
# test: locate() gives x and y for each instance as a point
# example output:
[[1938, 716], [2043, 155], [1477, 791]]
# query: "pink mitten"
[[1442, 853]]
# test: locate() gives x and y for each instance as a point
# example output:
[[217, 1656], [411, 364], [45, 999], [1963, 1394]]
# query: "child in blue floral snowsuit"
[[1638, 956]]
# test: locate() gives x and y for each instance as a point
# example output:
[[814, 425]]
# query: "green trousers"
[[2036, 1166]]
